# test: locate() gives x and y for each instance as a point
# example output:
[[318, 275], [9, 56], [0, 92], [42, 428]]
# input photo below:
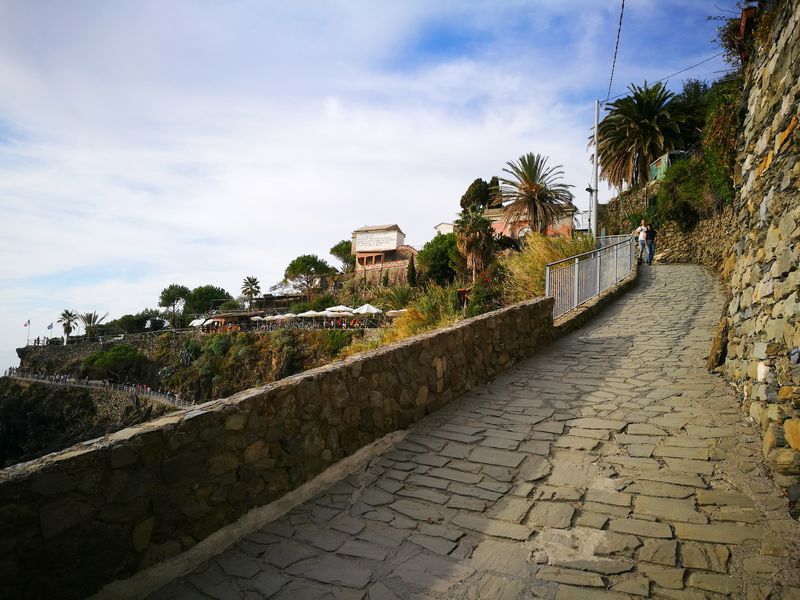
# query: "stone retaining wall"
[[708, 244], [73, 521], [763, 349]]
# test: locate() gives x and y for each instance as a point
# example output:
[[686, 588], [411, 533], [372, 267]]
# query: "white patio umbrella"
[[367, 309], [197, 322], [394, 313], [285, 316], [257, 318], [310, 313], [339, 308]]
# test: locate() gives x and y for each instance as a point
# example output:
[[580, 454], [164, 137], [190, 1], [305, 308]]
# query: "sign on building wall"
[[378, 241]]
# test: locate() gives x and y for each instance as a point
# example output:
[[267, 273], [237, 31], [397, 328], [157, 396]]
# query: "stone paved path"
[[611, 465]]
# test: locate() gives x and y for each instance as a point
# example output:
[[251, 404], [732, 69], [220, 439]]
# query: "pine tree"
[[411, 273]]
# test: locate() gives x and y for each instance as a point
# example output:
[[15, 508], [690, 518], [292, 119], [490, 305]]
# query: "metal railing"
[[67, 381], [610, 240], [574, 280]]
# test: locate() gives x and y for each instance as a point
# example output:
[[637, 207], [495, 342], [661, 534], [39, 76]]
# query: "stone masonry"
[[73, 521], [763, 353], [611, 465]]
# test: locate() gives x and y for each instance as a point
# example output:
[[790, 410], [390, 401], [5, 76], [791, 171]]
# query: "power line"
[[616, 49], [673, 74]]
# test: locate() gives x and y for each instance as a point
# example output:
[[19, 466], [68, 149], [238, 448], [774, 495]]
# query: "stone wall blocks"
[[791, 431], [785, 461]]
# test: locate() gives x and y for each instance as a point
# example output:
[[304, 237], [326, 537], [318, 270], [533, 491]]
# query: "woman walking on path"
[[650, 238]]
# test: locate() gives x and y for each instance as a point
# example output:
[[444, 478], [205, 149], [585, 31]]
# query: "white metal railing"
[[610, 240], [574, 280]]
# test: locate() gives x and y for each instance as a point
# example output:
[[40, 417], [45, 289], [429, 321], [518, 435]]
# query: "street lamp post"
[[595, 170]]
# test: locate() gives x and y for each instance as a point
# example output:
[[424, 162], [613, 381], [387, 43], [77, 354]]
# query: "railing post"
[[599, 265], [575, 284], [547, 281]]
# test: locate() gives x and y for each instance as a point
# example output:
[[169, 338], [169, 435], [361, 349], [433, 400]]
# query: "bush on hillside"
[[719, 137], [440, 261], [683, 196], [487, 292], [122, 363], [526, 268]]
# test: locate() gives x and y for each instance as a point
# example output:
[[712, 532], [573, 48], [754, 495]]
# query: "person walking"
[[650, 238], [640, 233]]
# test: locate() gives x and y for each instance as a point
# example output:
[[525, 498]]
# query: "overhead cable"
[[616, 49], [673, 74]]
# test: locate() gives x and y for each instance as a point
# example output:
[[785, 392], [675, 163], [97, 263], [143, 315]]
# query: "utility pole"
[[595, 169]]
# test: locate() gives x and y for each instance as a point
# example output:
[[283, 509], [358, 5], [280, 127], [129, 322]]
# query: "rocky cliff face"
[[763, 354]]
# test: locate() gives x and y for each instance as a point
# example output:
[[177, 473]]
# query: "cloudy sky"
[[200, 141]]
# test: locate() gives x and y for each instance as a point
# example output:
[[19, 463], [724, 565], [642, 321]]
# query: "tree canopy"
[[439, 259], [251, 288], [344, 252], [637, 129], [202, 299], [172, 297], [68, 319], [306, 272], [533, 191], [474, 239], [482, 194]]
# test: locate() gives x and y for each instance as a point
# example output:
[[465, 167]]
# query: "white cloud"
[[151, 143]]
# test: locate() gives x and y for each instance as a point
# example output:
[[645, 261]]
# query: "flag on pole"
[[50, 326], [27, 323]]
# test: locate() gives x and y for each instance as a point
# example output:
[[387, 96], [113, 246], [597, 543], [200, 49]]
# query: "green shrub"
[[397, 297], [683, 196], [719, 137], [439, 260], [526, 268], [122, 363], [486, 293]]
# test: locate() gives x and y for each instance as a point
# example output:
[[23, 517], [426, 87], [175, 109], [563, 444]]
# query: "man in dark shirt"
[[650, 238]]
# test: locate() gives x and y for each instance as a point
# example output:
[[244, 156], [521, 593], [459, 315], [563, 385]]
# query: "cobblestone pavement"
[[611, 465]]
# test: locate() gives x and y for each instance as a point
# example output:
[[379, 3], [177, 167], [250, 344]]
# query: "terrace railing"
[[134, 390], [577, 279]]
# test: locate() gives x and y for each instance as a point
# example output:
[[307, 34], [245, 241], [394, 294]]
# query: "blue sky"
[[145, 143]]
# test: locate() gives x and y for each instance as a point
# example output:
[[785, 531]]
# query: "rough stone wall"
[[708, 244], [73, 521], [763, 353]]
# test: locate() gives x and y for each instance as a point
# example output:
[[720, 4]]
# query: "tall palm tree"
[[534, 192], [637, 130], [91, 320], [68, 319], [250, 289], [474, 238]]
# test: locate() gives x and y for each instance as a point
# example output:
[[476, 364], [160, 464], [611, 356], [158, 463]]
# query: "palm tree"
[[534, 191], [474, 239], [250, 289], [637, 130], [91, 320], [68, 318]]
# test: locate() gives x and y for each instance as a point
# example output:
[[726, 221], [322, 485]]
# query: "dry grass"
[[525, 269]]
